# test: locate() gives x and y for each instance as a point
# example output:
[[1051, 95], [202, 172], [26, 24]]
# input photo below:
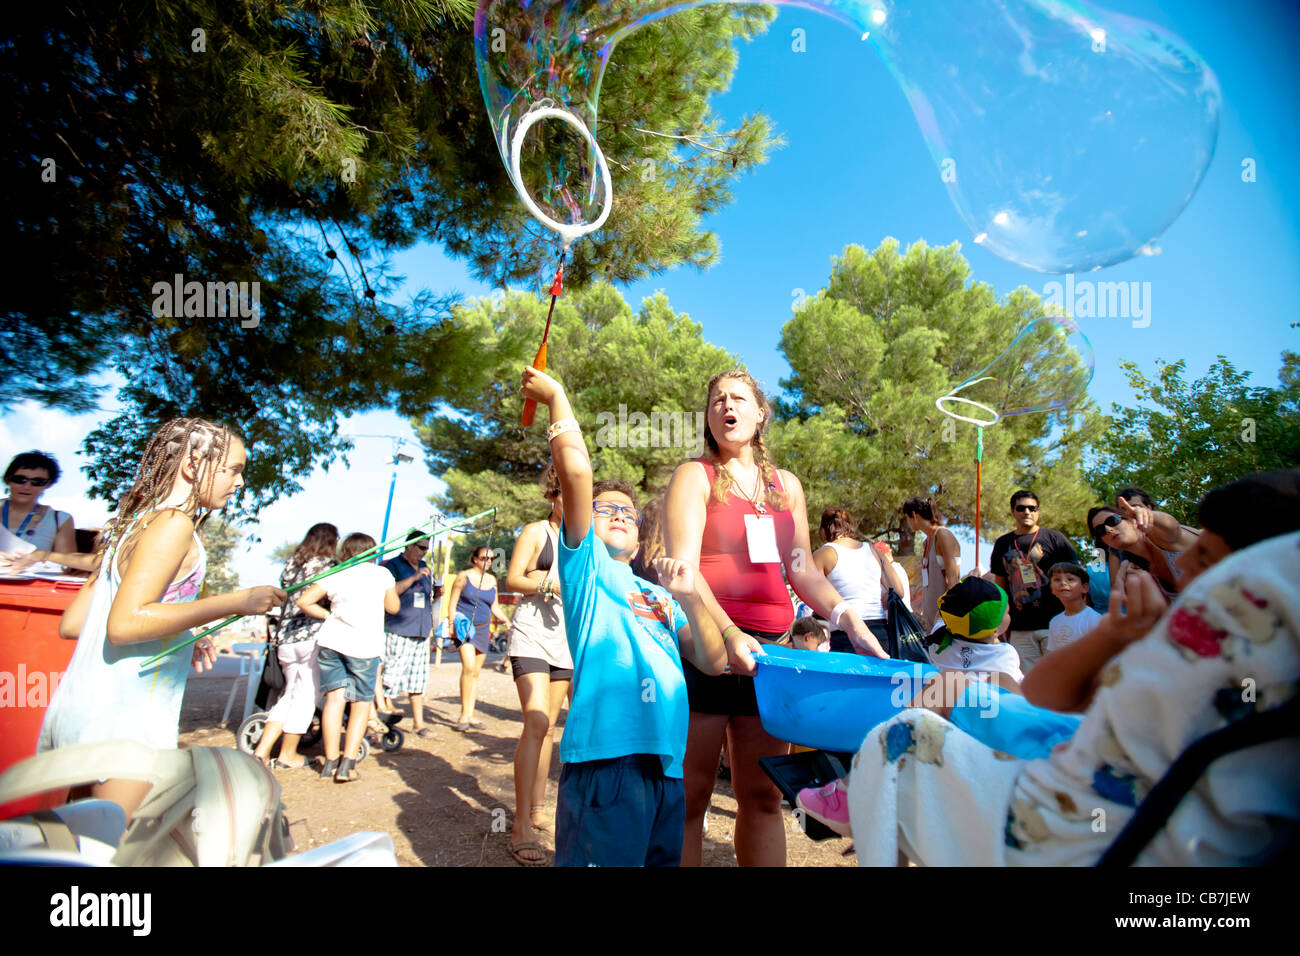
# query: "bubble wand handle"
[[539, 363]]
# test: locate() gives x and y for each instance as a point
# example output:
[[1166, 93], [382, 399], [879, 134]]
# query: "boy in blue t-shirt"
[[621, 797]]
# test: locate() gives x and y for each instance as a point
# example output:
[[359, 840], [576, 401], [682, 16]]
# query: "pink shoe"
[[828, 805]]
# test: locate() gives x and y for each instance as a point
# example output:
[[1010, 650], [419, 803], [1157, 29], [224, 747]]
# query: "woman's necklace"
[[752, 498]]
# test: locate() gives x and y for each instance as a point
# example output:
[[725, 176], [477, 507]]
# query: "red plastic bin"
[[33, 658]]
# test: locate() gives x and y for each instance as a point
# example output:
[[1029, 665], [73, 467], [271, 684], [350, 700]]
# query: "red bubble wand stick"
[[539, 363]]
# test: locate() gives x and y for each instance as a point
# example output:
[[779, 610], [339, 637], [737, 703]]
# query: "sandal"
[[517, 851], [277, 764], [424, 732], [464, 725], [328, 768], [347, 771], [544, 821]]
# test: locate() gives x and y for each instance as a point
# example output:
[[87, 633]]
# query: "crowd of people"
[[652, 622]]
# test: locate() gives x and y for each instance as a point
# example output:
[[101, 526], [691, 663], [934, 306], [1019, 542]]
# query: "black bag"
[[906, 637], [272, 677]]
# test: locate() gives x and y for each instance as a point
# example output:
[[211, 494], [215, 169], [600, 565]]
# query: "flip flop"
[[278, 765], [424, 732], [517, 851]]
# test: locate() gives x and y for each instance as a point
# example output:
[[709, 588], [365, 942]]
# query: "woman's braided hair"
[[722, 480], [176, 441]]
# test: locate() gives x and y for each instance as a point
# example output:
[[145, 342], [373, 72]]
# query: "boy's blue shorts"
[[619, 812], [357, 674]]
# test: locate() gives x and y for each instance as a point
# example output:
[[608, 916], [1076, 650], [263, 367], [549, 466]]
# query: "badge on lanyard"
[[418, 600], [760, 535]]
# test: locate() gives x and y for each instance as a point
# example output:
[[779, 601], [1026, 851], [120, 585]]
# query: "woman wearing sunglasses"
[[33, 532], [1134, 531], [474, 594]]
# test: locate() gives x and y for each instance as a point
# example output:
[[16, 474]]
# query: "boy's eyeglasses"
[[24, 480], [1026, 507], [609, 510], [1099, 530]]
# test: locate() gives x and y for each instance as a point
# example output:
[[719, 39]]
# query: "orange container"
[[33, 659]]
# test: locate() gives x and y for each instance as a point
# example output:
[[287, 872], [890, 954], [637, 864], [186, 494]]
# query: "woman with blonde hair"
[[738, 519]]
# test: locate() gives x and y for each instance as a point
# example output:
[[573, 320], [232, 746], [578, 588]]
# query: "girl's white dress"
[[104, 695]]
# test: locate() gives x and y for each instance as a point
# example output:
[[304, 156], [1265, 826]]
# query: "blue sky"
[[856, 170]]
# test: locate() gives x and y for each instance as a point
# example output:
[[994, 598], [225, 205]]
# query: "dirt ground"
[[447, 800]]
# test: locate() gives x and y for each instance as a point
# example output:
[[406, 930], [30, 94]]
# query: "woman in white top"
[[31, 532], [941, 559], [854, 570], [350, 645]]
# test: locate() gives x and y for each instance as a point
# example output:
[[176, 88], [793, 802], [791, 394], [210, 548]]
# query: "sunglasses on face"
[[24, 480], [1100, 531], [1027, 507], [609, 510]]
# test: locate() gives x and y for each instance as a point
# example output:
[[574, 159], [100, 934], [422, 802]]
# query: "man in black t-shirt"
[[1020, 562]]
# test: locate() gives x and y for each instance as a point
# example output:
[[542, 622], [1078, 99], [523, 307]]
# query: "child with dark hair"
[[295, 648], [809, 634], [351, 643], [621, 801], [1069, 584]]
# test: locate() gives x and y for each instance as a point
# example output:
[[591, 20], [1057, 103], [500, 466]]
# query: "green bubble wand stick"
[[396, 543]]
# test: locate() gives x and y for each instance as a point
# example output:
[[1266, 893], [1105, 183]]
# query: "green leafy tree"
[[297, 145], [872, 351], [635, 379], [1184, 438], [220, 539]]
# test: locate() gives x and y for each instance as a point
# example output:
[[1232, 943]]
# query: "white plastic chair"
[[249, 657]]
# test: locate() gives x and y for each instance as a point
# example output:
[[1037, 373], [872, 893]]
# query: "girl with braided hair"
[[738, 519], [143, 595]]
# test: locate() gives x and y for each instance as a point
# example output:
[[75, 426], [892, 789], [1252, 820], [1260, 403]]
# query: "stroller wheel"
[[393, 740], [249, 734], [363, 751]]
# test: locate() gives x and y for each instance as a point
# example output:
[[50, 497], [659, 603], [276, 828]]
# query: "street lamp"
[[395, 459]]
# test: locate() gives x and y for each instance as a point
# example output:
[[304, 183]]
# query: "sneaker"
[[828, 805]]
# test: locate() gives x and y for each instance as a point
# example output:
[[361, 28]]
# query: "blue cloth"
[[410, 621], [629, 693], [619, 812], [1005, 721]]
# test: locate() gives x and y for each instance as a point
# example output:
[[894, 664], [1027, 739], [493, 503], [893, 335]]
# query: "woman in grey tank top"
[[543, 669]]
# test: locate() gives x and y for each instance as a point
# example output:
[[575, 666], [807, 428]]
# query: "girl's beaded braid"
[[175, 442]]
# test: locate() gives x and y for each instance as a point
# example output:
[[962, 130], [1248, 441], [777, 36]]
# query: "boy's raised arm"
[[568, 453]]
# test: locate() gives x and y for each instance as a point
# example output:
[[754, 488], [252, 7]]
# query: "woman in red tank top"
[[740, 521]]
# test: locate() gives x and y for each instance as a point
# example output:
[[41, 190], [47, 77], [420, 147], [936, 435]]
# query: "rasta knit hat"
[[973, 608]]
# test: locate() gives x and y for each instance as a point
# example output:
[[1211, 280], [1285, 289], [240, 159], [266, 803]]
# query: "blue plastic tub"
[[831, 701]]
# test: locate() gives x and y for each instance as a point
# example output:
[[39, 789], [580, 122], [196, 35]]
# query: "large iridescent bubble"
[[1046, 367], [1068, 137]]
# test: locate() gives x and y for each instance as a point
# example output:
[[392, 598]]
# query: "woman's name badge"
[[418, 601], [760, 535]]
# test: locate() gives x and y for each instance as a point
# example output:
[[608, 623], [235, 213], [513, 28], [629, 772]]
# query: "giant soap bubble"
[[1046, 367], [1068, 137]]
